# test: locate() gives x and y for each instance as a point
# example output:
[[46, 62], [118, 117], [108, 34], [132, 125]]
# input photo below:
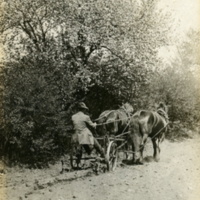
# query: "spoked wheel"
[[112, 155], [75, 156]]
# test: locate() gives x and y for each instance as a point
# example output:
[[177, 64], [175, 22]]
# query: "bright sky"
[[186, 14], [187, 11]]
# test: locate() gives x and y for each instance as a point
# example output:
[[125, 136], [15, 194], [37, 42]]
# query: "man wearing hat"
[[81, 121]]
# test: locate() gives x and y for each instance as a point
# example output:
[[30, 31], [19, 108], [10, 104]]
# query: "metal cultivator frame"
[[111, 148]]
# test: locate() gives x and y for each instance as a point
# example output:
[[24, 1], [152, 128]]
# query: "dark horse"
[[146, 124], [114, 122]]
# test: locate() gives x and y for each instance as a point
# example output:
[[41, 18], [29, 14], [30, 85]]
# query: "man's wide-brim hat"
[[83, 106]]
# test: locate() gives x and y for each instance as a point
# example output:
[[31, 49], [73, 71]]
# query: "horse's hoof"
[[138, 162]]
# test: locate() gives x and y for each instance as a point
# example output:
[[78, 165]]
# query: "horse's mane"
[[163, 107], [127, 107], [162, 110]]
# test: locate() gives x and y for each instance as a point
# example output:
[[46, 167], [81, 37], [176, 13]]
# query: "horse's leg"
[[134, 153], [141, 154], [144, 140], [137, 151], [156, 149], [144, 133], [130, 138], [78, 156], [126, 149]]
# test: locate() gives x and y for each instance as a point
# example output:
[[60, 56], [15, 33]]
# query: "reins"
[[112, 121], [127, 113], [104, 115], [160, 130]]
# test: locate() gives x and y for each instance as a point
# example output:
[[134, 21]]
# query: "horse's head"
[[162, 109], [128, 108], [163, 106]]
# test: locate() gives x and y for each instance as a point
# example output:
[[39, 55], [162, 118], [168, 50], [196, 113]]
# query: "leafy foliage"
[[178, 85]]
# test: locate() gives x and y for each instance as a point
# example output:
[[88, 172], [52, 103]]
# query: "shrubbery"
[[60, 53]]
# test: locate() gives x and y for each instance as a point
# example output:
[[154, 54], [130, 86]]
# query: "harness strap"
[[127, 113], [104, 115], [160, 131], [162, 113], [122, 134], [118, 110], [110, 122]]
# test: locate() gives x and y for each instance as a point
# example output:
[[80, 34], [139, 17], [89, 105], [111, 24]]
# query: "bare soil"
[[175, 177]]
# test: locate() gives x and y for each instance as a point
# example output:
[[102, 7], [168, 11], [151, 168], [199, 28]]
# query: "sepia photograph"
[[100, 99]]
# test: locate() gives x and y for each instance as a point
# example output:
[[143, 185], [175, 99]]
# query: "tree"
[[178, 83], [61, 52]]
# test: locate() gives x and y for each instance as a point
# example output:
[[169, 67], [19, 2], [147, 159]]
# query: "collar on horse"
[[127, 113], [162, 113]]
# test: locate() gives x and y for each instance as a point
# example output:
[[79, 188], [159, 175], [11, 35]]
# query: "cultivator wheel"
[[112, 156]]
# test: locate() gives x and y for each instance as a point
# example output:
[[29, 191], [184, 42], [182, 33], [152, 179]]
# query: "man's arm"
[[89, 121]]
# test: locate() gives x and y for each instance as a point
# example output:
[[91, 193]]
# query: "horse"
[[114, 122], [144, 124]]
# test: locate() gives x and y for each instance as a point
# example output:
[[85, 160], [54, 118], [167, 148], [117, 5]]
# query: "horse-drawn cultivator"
[[118, 130], [79, 157]]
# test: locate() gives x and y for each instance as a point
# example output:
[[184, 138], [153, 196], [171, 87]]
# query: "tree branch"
[[121, 58]]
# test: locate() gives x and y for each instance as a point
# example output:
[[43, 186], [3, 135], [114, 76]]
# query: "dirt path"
[[175, 177]]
